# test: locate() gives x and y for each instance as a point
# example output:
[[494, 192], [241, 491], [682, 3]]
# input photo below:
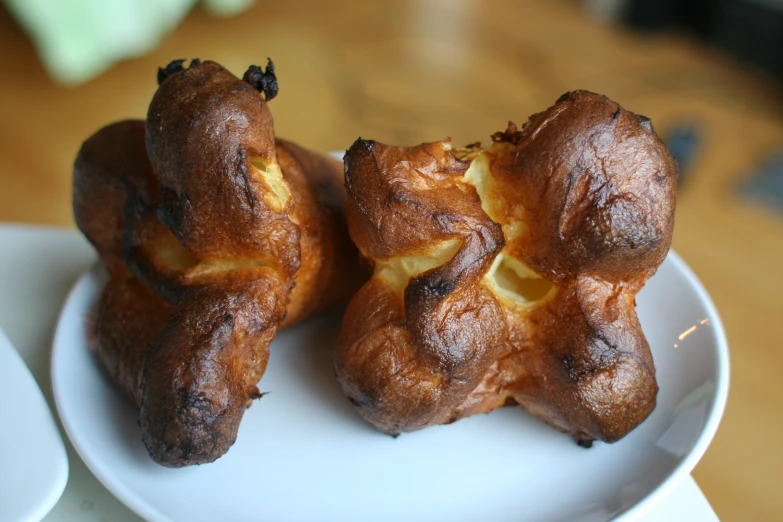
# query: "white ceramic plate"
[[33, 463], [303, 454]]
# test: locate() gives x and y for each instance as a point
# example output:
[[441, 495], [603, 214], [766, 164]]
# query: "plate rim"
[[56, 488], [142, 507], [127, 496], [714, 416]]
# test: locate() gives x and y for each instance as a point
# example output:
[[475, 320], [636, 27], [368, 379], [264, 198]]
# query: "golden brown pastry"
[[508, 275], [110, 166], [215, 236]]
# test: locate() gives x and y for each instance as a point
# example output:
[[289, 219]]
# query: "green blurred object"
[[79, 39]]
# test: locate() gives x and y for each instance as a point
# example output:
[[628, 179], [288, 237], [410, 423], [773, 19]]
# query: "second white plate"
[[33, 462], [303, 454]]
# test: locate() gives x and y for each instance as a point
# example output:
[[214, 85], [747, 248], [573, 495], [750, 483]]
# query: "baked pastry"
[[507, 275], [215, 235]]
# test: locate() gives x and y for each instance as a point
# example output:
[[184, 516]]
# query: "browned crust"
[[110, 164], [204, 126], [130, 315], [594, 190], [206, 264], [202, 369], [598, 188], [329, 271]]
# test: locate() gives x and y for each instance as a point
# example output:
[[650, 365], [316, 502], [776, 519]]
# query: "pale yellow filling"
[[270, 174], [397, 271], [511, 280], [224, 265], [479, 175], [175, 256], [508, 278]]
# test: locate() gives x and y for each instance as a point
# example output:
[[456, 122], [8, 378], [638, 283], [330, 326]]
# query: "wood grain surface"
[[407, 72]]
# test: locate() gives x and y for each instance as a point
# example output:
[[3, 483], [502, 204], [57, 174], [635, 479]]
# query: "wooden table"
[[407, 72]]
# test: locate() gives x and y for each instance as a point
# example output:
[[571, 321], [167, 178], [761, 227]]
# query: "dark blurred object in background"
[[751, 30], [765, 184], [683, 140]]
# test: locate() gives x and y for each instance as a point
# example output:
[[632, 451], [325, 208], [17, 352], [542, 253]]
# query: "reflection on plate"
[[33, 463], [303, 454]]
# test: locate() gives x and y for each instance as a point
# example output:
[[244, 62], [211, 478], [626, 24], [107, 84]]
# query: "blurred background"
[[708, 73]]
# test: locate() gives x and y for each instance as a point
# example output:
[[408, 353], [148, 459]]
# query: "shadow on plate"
[[310, 361]]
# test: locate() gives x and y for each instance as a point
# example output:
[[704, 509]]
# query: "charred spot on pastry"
[[569, 364], [228, 321], [359, 146], [432, 285], [511, 135], [263, 81], [443, 288], [564, 97], [473, 146], [645, 122], [189, 399], [186, 452], [576, 372], [171, 209], [510, 401], [584, 442], [174, 67], [257, 394], [354, 160]]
